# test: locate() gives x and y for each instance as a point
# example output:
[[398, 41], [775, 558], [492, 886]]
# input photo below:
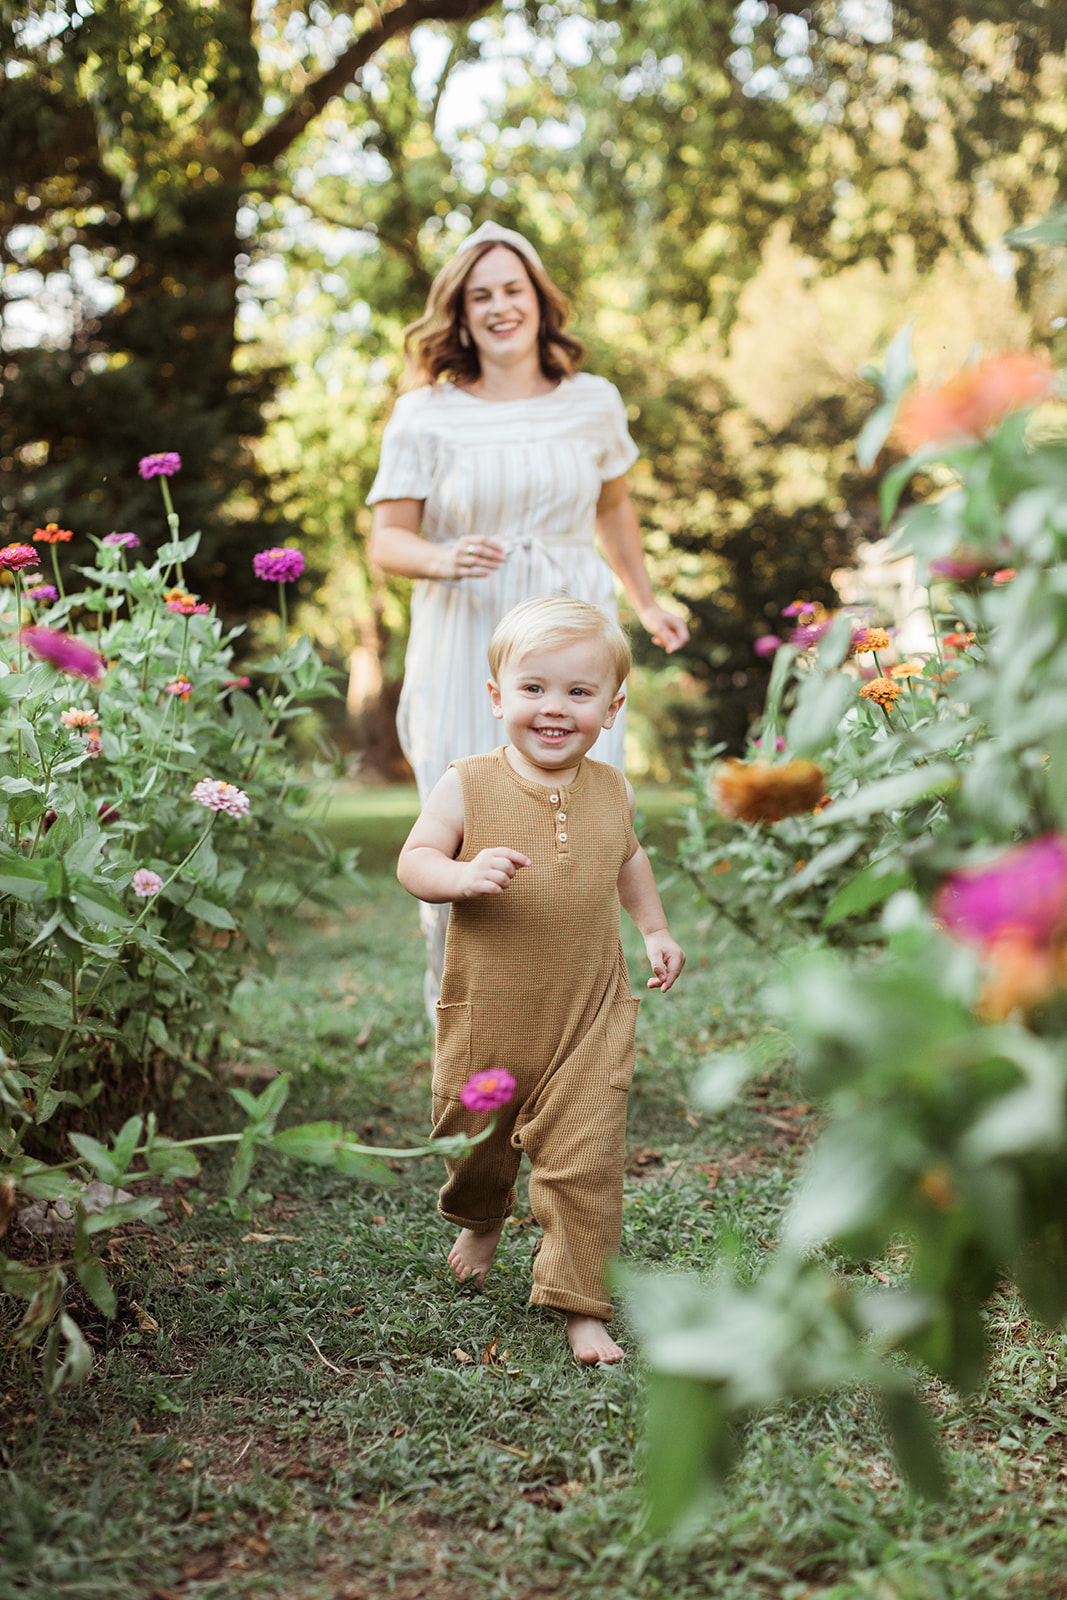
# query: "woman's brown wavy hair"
[[432, 342]]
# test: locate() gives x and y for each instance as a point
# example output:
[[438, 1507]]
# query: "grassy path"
[[295, 1401]]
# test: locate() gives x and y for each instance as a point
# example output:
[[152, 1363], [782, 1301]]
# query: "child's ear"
[[494, 698], [614, 709]]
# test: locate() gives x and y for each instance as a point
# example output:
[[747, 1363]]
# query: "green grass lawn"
[[295, 1401]]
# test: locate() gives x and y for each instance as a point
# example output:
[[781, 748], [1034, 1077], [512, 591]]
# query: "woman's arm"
[[396, 545], [619, 536]]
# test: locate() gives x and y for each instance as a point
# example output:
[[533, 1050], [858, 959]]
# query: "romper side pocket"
[[621, 1025], [452, 1049]]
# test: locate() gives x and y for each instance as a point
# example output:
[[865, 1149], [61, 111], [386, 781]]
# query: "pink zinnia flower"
[[188, 608], [180, 686], [43, 591], [219, 796], [809, 633], [795, 608], [1024, 890], [16, 556], [487, 1091], [68, 654], [1005, 575], [121, 541], [93, 747], [237, 683], [145, 883], [162, 465], [962, 566], [281, 563], [767, 644]]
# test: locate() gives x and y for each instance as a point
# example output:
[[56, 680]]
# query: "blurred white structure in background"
[[885, 585]]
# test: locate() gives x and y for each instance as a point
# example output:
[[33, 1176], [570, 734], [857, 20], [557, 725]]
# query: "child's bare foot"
[[590, 1340], [472, 1254]]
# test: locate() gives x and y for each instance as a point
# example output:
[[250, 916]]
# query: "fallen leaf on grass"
[[258, 1544], [461, 1355], [354, 1311], [489, 1355], [145, 1323], [378, 1221], [184, 1465], [184, 1204], [363, 1036], [511, 1449], [641, 1160], [271, 1238]]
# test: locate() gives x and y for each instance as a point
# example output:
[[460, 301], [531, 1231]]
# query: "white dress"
[[527, 473]]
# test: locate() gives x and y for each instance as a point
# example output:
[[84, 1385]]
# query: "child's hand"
[[490, 872], [667, 959]]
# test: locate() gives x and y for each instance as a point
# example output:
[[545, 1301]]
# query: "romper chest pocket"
[[452, 1049]]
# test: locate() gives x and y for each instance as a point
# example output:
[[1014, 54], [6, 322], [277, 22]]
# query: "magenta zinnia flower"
[[1025, 889], [121, 541], [179, 686], [43, 591], [767, 644], [219, 796], [809, 633], [77, 660], [16, 556], [145, 883], [487, 1091], [281, 563], [162, 465]]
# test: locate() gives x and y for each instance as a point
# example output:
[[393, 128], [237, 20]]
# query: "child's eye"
[[530, 688]]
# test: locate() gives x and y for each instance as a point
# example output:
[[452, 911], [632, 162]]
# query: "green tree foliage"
[[135, 134]]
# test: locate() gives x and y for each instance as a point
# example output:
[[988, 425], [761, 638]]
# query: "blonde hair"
[[558, 620], [433, 344]]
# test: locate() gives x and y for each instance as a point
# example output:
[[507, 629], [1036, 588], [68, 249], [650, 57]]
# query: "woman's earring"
[[464, 336]]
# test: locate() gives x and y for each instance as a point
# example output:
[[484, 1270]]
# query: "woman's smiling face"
[[500, 307]]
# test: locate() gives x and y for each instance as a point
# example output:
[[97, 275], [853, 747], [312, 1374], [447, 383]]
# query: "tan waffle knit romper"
[[535, 981]]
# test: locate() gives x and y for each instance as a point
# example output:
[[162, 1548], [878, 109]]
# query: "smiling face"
[[500, 307], [553, 703]]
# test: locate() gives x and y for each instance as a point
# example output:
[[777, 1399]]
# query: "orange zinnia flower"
[[754, 791], [870, 639], [882, 690], [907, 669], [976, 399], [53, 534]]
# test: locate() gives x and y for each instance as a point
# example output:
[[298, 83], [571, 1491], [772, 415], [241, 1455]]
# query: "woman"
[[498, 467]]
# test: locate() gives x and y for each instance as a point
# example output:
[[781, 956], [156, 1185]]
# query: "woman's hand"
[[667, 628], [475, 558]]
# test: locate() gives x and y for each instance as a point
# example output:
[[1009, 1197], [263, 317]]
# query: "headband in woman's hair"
[[493, 233]]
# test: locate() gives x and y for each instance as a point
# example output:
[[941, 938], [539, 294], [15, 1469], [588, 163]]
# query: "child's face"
[[554, 702]]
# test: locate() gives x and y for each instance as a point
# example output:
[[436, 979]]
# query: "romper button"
[[554, 799], [562, 815], [562, 838]]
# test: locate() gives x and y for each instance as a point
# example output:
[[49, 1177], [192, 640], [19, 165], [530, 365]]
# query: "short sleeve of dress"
[[617, 452], [405, 466]]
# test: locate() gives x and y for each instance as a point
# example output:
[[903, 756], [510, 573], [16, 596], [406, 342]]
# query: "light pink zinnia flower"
[[219, 796], [280, 563], [1023, 890], [79, 717], [162, 465], [145, 883], [77, 660], [487, 1091], [121, 541], [16, 556]]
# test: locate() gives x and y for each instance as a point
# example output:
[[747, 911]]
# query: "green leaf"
[[207, 911], [126, 1142], [98, 1157], [243, 1160], [688, 1439], [99, 906], [146, 1210], [172, 1160], [322, 1145], [832, 855], [23, 879], [870, 887], [892, 794], [821, 703], [914, 1443], [93, 1279], [719, 1082], [77, 1362]]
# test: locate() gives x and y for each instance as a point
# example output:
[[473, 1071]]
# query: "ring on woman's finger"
[[470, 549]]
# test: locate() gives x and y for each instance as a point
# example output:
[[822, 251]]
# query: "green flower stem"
[[64, 1043], [283, 608], [172, 518], [55, 569]]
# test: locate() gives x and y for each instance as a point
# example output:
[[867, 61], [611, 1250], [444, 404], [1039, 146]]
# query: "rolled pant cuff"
[[475, 1224], [566, 1300]]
